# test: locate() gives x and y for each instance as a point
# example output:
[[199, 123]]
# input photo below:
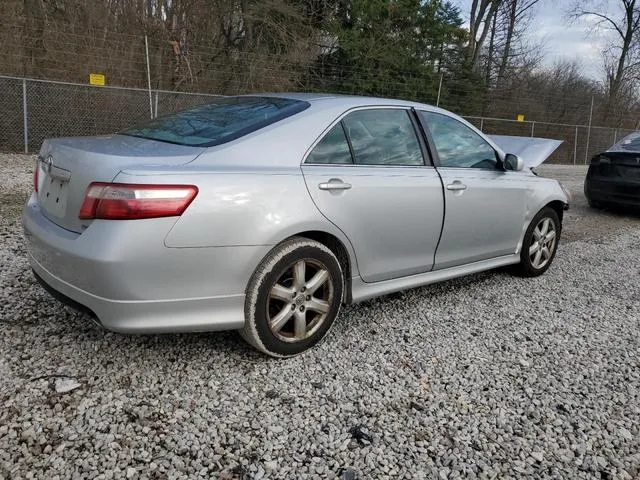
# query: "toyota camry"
[[266, 213]]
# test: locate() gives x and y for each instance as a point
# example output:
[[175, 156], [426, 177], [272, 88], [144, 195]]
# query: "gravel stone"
[[65, 385], [434, 375], [271, 465], [626, 434], [537, 456]]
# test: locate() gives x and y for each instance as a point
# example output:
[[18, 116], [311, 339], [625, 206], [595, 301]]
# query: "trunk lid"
[[66, 167], [533, 151]]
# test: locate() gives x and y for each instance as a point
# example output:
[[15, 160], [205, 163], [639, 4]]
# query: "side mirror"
[[513, 162]]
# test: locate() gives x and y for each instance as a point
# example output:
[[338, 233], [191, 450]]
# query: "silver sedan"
[[267, 213]]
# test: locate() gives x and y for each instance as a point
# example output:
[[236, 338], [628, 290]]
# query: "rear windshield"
[[630, 143], [221, 121]]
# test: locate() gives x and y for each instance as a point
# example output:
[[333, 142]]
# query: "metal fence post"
[[481, 124], [586, 150], [156, 107], [439, 90], [25, 115], [146, 48], [615, 136], [533, 124], [575, 147]]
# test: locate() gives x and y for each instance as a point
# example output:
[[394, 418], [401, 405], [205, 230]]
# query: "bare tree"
[[482, 12], [510, 49], [491, 49], [622, 56], [517, 14]]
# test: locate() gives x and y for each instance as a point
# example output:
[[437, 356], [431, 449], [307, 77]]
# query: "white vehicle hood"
[[533, 151]]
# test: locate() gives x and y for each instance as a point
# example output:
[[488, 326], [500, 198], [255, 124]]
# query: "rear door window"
[[383, 136], [332, 149], [218, 122]]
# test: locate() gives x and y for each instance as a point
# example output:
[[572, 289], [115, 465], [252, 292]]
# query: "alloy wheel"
[[543, 243], [299, 301]]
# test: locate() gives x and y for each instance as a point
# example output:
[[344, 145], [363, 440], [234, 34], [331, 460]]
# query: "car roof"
[[330, 100], [285, 142]]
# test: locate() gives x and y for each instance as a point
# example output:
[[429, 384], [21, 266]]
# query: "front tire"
[[293, 298], [540, 243], [592, 203]]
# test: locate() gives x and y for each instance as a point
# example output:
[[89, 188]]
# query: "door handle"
[[456, 186], [334, 184]]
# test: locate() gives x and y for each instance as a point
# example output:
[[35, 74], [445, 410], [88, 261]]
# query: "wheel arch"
[[552, 202], [558, 206], [339, 249]]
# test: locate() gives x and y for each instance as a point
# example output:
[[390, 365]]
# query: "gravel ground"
[[488, 376]]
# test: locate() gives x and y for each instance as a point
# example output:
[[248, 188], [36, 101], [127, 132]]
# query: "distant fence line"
[[32, 110], [580, 142]]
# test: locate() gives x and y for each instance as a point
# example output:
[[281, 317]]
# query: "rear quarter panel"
[[241, 207]]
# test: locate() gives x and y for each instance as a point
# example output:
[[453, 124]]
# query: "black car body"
[[613, 178]]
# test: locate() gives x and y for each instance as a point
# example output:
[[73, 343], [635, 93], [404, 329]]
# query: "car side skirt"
[[364, 291]]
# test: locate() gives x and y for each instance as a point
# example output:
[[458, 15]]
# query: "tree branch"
[[604, 19]]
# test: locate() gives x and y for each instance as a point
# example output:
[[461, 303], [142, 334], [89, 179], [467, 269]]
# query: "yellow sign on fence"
[[97, 79], [520, 117]]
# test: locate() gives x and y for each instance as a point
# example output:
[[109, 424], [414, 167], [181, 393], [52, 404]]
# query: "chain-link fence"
[[33, 110], [579, 142]]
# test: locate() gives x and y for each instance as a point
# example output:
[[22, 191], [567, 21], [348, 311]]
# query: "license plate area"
[[53, 196]]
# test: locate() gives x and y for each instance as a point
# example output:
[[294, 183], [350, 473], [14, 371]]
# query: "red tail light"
[[35, 176], [123, 201]]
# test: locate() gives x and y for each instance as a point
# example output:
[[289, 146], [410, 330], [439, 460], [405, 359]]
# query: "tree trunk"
[[485, 12], [247, 24], [491, 52], [506, 53], [627, 39], [34, 33]]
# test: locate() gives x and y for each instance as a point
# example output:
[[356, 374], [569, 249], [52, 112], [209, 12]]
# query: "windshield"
[[218, 122], [630, 143]]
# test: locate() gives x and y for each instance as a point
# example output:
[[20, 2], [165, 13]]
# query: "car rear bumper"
[[124, 274], [61, 297], [613, 191], [185, 315]]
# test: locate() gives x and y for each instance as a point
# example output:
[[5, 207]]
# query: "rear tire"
[[293, 298], [540, 244]]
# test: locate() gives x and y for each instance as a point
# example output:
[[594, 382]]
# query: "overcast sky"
[[562, 39]]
